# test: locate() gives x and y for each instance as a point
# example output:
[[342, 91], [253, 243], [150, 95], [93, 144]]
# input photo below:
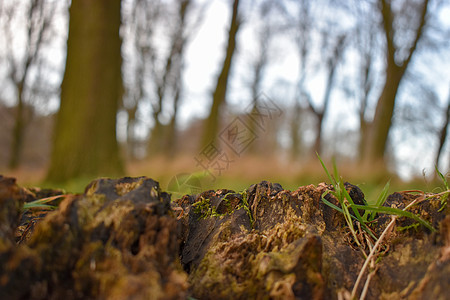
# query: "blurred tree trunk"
[[255, 90], [132, 143], [366, 44], [332, 49], [39, 14], [171, 140], [395, 70], [85, 133], [140, 23], [19, 129], [163, 137], [364, 125], [156, 135], [333, 59], [297, 144], [304, 26], [443, 132], [265, 34], [211, 127]]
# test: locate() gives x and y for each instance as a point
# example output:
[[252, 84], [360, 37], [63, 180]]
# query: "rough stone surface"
[[278, 244], [125, 239], [11, 201], [116, 241]]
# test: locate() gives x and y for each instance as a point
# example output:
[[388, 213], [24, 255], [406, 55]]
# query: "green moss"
[[246, 207], [414, 226], [204, 209]]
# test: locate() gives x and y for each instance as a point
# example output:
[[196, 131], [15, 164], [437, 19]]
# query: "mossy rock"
[[125, 239]]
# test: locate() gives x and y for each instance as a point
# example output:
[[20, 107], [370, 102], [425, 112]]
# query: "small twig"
[[412, 191], [438, 194], [180, 210], [425, 196], [372, 252], [366, 285], [48, 199]]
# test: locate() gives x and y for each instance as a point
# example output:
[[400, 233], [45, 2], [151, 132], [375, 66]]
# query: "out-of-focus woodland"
[[107, 87]]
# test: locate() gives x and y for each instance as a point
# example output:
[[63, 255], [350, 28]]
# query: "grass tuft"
[[444, 196], [370, 213]]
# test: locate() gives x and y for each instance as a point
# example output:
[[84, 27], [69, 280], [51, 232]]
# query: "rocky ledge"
[[126, 239]]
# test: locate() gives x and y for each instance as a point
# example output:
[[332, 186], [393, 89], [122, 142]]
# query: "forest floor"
[[190, 238], [242, 173]]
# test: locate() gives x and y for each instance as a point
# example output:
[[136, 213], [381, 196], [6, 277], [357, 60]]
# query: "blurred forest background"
[[235, 91]]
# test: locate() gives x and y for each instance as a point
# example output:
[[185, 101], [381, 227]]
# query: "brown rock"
[[117, 241]]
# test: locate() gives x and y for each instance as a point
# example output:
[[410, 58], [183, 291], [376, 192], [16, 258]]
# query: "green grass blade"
[[366, 215], [335, 171], [381, 199], [383, 196], [348, 219], [41, 203], [398, 212], [341, 211], [350, 201], [331, 204], [444, 180], [340, 192], [34, 205], [332, 181]]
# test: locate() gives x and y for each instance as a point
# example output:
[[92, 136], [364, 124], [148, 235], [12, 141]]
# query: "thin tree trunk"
[[171, 129], [156, 138], [172, 74], [131, 137], [318, 142], [320, 114], [395, 70], [211, 127], [295, 129], [18, 131], [366, 86], [36, 11], [381, 125], [258, 72], [443, 133], [363, 137]]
